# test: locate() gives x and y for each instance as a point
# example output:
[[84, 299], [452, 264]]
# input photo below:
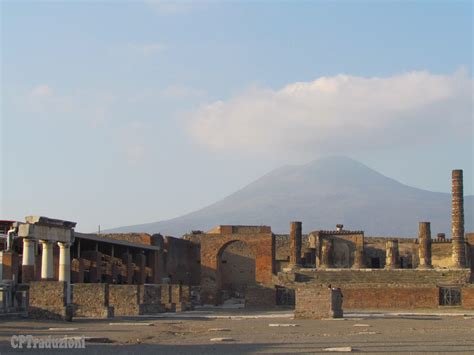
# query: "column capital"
[[46, 242], [64, 244]]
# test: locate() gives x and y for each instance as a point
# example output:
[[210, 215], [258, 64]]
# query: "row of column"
[[47, 265]]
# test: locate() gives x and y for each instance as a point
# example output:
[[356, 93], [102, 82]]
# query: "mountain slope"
[[321, 194]]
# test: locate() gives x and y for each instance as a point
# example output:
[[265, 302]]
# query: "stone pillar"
[[141, 264], [295, 244], [392, 260], [47, 271], [28, 261], [326, 248], [359, 254], [155, 266], [457, 220], [127, 260], [424, 245], [64, 262]]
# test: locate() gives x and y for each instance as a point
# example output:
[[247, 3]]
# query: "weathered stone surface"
[[260, 296], [457, 220], [424, 238], [318, 303], [295, 244], [392, 256], [91, 300], [47, 300]]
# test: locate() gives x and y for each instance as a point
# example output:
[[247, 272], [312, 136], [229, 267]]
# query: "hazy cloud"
[[339, 113]]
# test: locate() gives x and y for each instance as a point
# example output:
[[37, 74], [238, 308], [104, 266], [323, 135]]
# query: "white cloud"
[[338, 114], [42, 90]]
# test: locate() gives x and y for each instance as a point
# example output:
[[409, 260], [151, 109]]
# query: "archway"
[[235, 270]]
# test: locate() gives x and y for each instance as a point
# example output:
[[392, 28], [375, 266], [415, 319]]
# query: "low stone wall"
[[91, 300], [124, 299], [341, 277], [318, 303], [260, 296], [389, 297], [47, 300], [149, 297]]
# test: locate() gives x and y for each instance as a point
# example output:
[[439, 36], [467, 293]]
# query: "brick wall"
[[260, 296], [313, 303], [467, 297], [339, 277]]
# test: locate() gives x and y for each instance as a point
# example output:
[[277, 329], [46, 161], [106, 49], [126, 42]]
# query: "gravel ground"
[[249, 332]]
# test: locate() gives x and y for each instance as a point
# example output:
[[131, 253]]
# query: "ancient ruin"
[[51, 271]]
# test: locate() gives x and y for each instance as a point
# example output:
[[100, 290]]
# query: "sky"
[[121, 113]]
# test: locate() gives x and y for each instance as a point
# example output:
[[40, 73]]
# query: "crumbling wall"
[[260, 296], [182, 261]]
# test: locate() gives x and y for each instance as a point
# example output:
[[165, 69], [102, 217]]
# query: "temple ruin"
[[52, 271]]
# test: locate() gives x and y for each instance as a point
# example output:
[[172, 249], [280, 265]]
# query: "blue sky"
[[131, 112]]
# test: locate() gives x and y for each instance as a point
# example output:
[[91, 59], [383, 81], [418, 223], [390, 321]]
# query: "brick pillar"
[[392, 260], [28, 261], [155, 266], [141, 263], [359, 254], [326, 249], [424, 245], [457, 220], [77, 267], [96, 266], [295, 244], [9, 262]]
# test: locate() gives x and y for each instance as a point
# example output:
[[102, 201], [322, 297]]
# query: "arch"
[[236, 269], [213, 245]]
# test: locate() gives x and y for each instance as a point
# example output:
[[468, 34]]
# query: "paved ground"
[[191, 333]]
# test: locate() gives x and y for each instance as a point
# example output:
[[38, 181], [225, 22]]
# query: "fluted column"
[[392, 260], [424, 245], [295, 244], [47, 272], [457, 220], [28, 260]]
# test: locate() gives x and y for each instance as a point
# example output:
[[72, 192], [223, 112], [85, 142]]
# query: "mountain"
[[322, 194]]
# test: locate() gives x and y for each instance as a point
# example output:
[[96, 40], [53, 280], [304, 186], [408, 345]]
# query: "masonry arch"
[[258, 240], [236, 269]]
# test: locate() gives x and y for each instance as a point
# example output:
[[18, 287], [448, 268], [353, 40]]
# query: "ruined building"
[[126, 274]]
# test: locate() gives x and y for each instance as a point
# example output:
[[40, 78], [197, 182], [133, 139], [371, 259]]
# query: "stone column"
[[457, 220], [392, 259], [424, 245], [47, 271], [64, 262], [28, 261], [326, 248], [359, 254], [295, 244]]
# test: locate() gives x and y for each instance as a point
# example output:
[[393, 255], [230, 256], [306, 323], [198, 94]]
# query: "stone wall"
[[259, 240], [182, 261], [47, 300], [91, 300], [260, 296], [317, 303], [339, 277], [124, 299], [237, 268]]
